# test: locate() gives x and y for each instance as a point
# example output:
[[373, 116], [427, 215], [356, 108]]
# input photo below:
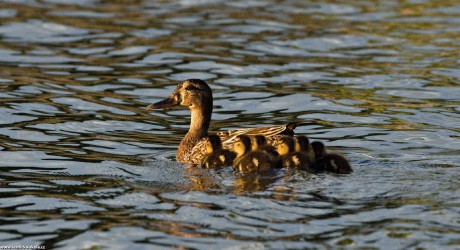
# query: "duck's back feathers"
[[270, 133]]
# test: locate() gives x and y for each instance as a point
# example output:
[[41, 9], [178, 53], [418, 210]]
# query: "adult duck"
[[197, 96]]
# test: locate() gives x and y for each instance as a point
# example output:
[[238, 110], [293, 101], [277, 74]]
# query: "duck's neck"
[[199, 125]]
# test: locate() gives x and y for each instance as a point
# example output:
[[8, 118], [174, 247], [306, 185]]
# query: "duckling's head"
[[241, 145], [257, 141], [285, 145], [302, 143], [213, 143], [318, 148], [192, 93]]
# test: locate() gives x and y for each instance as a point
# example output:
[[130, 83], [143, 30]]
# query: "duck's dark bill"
[[166, 103]]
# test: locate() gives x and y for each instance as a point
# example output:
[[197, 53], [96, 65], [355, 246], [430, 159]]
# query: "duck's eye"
[[190, 87]]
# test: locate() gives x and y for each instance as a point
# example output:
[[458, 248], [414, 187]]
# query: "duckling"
[[334, 163], [319, 149], [302, 144], [216, 156], [259, 143], [247, 160], [291, 159]]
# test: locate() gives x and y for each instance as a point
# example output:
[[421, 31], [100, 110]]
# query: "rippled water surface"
[[83, 165]]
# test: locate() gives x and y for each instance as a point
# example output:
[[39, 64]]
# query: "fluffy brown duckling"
[[319, 149], [247, 160], [334, 163], [216, 156], [289, 158], [302, 144], [259, 143]]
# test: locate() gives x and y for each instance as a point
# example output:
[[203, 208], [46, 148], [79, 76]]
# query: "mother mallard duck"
[[197, 96]]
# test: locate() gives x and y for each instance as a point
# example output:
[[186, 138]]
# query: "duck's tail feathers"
[[291, 126]]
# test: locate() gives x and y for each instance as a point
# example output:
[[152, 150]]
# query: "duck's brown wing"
[[198, 152], [270, 133]]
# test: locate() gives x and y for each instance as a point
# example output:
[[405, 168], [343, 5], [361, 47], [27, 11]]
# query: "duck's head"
[[258, 141], [192, 93], [213, 143], [285, 145], [241, 145], [318, 148], [302, 143]]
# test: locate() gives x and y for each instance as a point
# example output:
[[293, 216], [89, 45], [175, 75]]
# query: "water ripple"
[[37, 31]]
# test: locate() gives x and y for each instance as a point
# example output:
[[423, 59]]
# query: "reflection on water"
[[84, 166]]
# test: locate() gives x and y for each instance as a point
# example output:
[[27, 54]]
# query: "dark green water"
[[83, 166]]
